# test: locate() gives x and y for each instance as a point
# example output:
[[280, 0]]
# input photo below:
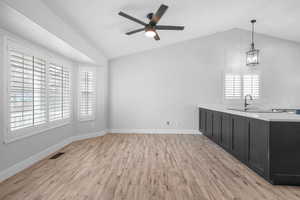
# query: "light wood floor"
[[142, 167]]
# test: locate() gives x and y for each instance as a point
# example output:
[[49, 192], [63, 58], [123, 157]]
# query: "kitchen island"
[[268, 143]]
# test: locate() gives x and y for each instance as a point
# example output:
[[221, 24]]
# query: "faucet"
[[246, 103]]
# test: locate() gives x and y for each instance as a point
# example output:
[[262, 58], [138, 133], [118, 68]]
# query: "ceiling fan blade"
[[156, 37], [159, 13], [135, 31], [132, 18], [175, 28]]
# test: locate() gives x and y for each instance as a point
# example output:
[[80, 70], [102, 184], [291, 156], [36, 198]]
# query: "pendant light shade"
[[252, 56]]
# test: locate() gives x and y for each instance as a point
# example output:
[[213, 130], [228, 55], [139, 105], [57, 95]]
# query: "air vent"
[[57, 155]]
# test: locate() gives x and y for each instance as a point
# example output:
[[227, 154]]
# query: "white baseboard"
[[33, 159], [11, 171], [154, 131], [88, 135]]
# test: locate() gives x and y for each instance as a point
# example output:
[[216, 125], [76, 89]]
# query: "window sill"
[[28, 132]]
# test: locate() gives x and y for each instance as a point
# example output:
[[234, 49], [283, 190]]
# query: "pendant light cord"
[[252, 32], [253, 22]]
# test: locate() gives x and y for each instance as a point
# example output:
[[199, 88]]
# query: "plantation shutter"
[[66, 94], [251, 85], [87, 94], [27, 91], [59, 93], [232, 86]]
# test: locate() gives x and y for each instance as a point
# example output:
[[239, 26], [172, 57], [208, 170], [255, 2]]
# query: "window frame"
[[93, 116], [11, 136], [242, 74]]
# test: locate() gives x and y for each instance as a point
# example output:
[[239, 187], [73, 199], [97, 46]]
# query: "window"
[[38, 93], [251, 85], [87, 94], [235, 84], [27, 96], [232, 86], [59, 92]]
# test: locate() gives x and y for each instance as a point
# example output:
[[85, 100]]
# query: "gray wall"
[[19, 150], [149, 88]]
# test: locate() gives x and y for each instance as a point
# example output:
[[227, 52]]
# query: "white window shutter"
[[67, 103], [232, 86], [87, 93], [38, 93], [59, 93], [27, 91], [251, 85]]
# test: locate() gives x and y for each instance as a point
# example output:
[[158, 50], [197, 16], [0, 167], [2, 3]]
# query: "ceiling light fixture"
[[252, 55], [151, 27], [149, 32]]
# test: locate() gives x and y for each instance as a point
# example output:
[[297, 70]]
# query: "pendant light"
[[252, 55]]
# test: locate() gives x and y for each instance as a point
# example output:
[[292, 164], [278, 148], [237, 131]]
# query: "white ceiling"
[[99, 21], [14, 21]]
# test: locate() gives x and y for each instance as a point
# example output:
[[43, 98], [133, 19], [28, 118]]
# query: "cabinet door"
[[209, 124], [202, 119], [225, 137], [258, 146], [216, 127], [239, 145]]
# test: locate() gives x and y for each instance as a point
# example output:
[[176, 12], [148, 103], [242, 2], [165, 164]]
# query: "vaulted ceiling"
[[99, 22], [100, 27]]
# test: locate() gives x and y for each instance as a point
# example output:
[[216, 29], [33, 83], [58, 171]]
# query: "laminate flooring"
[[142, 167]]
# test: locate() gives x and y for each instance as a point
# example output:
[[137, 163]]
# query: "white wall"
[[17, 151], [149, 88]]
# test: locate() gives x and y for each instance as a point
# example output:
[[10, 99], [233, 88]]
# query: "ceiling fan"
[[151, 27]]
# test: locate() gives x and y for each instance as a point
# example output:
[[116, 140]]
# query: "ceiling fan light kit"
[[252, 56], [151, 27], [150, 32]]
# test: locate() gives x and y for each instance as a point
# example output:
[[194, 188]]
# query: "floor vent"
[[57, 155]]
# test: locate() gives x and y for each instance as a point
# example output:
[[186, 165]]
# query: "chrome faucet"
[[246, 103]]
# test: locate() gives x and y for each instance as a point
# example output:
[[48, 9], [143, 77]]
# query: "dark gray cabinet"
[[225, 134], [271, 149], [217, 117], [209, 124], [239, 136], [202, 119], [258, 146], [284, 148]]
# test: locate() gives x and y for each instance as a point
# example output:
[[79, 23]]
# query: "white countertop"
[[276, 117]]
